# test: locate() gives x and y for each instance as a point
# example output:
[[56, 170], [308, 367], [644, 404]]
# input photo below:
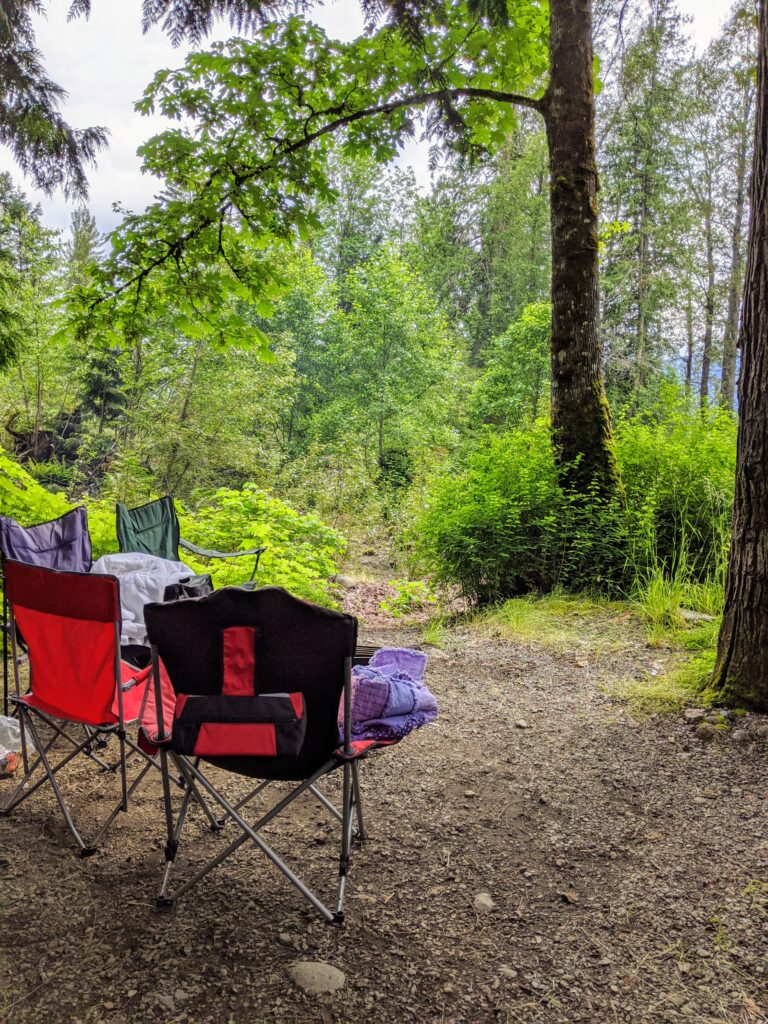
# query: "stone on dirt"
[[316, 977], [483, 903], [687, 615], [694, 714], [344, 581], [707, 731]]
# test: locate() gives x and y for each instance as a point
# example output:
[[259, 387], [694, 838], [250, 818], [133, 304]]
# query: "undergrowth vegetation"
[[562, 622], [302, 552], [495, 522]]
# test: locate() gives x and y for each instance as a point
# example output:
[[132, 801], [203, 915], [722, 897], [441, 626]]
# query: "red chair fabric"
[[68, 622]]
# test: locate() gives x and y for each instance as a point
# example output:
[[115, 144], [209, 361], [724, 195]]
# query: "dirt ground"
[[626, 862]]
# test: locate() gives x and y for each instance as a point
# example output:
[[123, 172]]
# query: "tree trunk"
[[741, 668], [688, 342], [581, 422], [728, 386], [643, 277], [709, 305]]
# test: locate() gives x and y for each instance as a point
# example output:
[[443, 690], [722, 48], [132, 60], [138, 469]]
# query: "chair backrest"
[[62, 543], [152, 528], [71, 625], [237, 641]]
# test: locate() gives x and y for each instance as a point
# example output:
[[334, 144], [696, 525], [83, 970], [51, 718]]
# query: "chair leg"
[[166, 899], [171, 839], [24, 789], [84, 849], [346, 841], [358, 801], [358, 830]]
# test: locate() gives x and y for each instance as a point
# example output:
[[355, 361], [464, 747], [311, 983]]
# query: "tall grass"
[[662, 594]]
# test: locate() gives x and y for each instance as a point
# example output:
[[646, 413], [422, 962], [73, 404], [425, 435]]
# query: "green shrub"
[[23, 498], [496, 523], [301, 550], [513, 386], [678, 465], [409, 596], [499, 525]]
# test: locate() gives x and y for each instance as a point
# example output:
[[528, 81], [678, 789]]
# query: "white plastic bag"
[[10, 735]]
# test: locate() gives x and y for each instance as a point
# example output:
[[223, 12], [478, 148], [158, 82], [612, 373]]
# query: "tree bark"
[[728, 385], [688, 342], [741, 668], [581, 422], [709, 303]]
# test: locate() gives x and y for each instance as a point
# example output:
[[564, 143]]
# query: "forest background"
[[395, 398]]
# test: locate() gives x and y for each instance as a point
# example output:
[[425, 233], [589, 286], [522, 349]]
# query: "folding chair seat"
[[251, 682], [62, 543], [71, 622], [153, 528]]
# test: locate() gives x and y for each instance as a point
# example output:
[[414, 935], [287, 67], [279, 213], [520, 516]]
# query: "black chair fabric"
[[299, 647]]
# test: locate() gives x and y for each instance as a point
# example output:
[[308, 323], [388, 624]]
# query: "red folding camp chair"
[[71, 624], [62, 543], [251, 682]]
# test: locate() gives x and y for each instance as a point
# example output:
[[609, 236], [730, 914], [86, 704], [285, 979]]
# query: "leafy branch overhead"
[[247, 165]]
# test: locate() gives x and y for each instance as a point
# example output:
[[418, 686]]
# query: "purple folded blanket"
[[389, 698]]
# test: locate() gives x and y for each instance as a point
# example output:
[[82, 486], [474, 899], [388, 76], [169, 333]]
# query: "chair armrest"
[[208, 553]]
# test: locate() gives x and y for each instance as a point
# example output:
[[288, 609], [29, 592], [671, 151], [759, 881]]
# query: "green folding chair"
[[154, 530]]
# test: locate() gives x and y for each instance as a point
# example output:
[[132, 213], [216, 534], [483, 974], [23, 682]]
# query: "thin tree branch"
[[286, 148]]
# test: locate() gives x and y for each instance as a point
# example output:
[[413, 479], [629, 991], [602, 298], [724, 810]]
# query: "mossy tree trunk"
[[728, 386], [741, 669], [581, 420]]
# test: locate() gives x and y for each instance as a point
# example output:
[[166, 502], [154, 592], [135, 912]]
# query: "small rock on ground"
[[316, 977], [483, 903], [694, 714]]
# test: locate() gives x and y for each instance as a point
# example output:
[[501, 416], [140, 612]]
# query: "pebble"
[[688, 615], [508, 972], [694, 714], [316, 977], [522, 724], [483, 903], [706, 731]]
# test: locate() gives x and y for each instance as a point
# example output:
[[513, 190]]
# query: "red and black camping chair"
[[71, 624], [255, 680]]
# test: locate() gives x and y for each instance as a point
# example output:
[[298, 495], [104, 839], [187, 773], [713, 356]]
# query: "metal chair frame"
[[93, 736], [351, 810]]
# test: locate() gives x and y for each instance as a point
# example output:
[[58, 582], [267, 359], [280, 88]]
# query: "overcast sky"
[[105, 63]]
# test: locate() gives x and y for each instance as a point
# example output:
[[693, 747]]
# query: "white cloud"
[[105, 64]]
